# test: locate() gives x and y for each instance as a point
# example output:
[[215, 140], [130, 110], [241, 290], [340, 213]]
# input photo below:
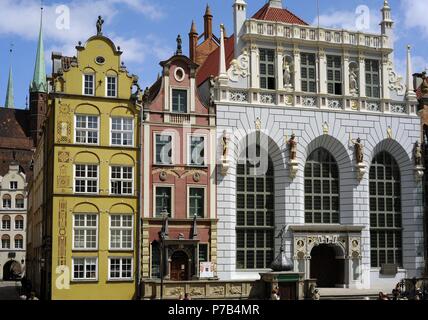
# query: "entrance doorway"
[[179, 266], [326, 267]]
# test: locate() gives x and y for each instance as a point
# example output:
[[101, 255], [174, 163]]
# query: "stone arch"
[[396, 150], [86, 207], [121, 208], [86, 157], [87, 108], [121, 111], [122, 159], [347, 177]]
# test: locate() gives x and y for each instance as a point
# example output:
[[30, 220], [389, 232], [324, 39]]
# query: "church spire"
[[39, 83], [10, 103]]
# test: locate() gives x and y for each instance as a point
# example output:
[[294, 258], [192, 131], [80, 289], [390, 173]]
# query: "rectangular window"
[[163, 149], [196, 202], [13, 185], [179, 101], [197, 151], [203, 252], [85, 228], [85, 269], [122, 180], [86, 129], [5, 224], [121, 227], [120, 268], [19, 244], [163, 200], [19, 224], [308, 72], [111, 87], [5, 243], [7, 203], [334, 75], [122, 132], [88, 89], [267, 69], [19, 203], [86, 178], [372, 79]]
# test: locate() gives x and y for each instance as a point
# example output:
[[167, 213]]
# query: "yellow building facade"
[[90, 167]]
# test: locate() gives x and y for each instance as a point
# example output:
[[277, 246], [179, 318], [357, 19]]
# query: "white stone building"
[[13, 212], [353, 220]]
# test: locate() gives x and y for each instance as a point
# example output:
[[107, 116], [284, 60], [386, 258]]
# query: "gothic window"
[[267, 69], [321, 188], [255, 217], [372, 79], [308, 72], [334, 75], [385, 211]]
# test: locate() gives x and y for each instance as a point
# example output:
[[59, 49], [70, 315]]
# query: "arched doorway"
[[326, 267], [11, 270], [179, 266]]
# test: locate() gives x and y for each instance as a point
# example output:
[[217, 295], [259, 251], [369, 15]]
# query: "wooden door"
[[179, 266]]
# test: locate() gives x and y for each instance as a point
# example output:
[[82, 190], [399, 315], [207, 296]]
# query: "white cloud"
[[419, 64], [349, 20], [414, 12]]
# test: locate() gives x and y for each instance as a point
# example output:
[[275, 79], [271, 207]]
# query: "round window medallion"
[[196, 177], [100, 60], [179, 74], [163, 176]]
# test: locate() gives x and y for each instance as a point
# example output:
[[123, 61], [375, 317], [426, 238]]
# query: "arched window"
[[5, 241], [19, 242], [385, 211], [19, 223], [19, 201], [255, 216], [321, 188], [5, 223], [7, 201]]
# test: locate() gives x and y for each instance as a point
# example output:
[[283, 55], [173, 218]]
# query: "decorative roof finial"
[[179, 46], [100, 23]]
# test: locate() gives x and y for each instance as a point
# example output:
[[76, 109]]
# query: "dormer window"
[[13, 185], [179, 101], [88, 85]]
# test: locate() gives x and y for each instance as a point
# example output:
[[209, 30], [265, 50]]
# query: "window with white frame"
[[179, 101], [120, 268], [5, 223], [13, 185], [85, 268], [334, 75], [19, 223], [308, 72], [19, 242], [86, 178], [196, 151], [111, 86], [372, 78], [7, 202], [122, 180], [85, 230], [89, 84], [86, 129], [122, 131], [196, 202], [121, 237], [19, 201], [267, 69], [163, 152], [163, 200], [5, 241]]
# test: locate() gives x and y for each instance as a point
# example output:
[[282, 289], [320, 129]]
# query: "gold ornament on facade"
[[258, 123], [63, 156], [389, 133], [325, 128]]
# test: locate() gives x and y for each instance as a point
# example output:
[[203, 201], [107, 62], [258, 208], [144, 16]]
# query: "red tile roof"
[[278, 15], [211, 65]]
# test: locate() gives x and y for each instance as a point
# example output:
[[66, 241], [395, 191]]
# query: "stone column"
[[279, 68], [362, 76], [255, 83], [346, 91], [384, 78], [322, 76], [297, 79]]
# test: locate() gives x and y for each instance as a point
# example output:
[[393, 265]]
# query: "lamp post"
[[163, 235]]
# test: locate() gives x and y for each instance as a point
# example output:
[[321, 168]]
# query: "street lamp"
[[163, 235]]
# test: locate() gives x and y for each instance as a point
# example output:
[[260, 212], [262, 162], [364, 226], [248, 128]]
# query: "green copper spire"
[[39, 83], [10, 103]]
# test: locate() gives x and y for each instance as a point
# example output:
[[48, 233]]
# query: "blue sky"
[[146, 29]]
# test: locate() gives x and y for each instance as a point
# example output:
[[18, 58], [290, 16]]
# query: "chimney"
[[193, 41], [208, 23], [240, 15]]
